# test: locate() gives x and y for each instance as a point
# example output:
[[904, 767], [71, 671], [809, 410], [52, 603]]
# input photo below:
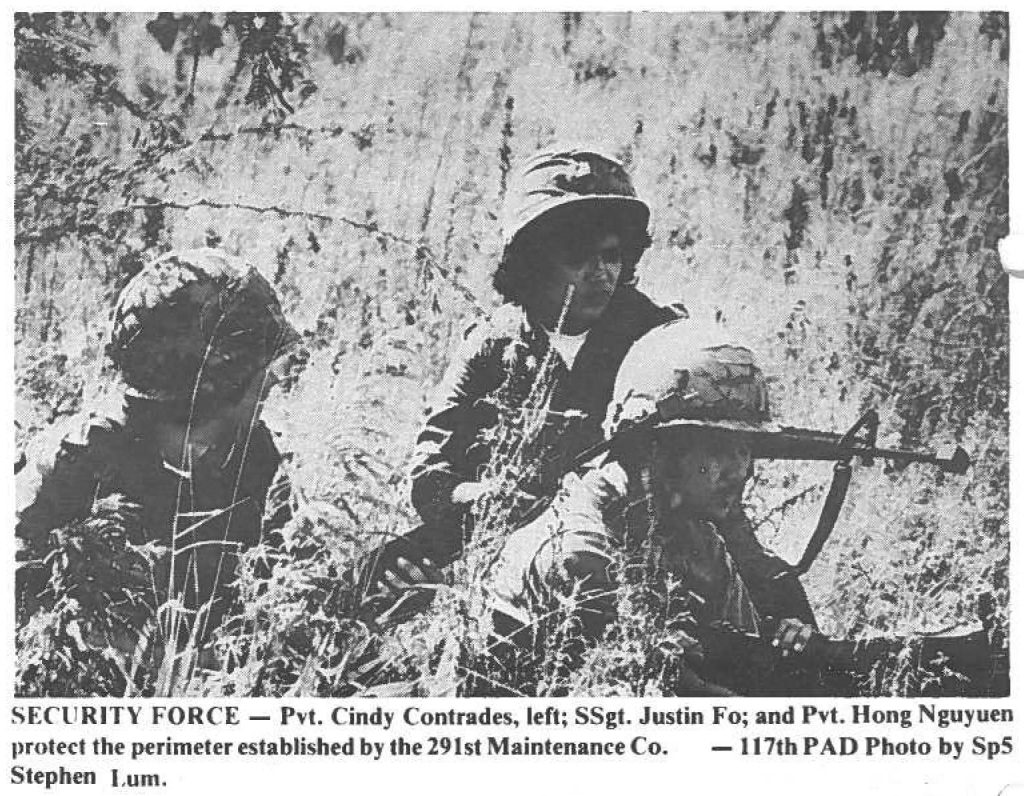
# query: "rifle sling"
[[841, 474]]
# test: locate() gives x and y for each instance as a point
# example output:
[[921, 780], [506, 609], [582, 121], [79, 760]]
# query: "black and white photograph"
[[536, 354]]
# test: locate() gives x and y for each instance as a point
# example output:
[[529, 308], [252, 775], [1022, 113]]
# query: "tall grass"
[[861, 276]]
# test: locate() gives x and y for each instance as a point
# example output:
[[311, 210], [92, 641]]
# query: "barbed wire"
[[271, 129], [284, 212], [422, 251]]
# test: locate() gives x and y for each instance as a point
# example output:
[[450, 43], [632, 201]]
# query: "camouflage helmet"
[[196, 326], [681, 375], [559, 177]]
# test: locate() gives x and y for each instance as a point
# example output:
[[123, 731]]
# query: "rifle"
[[443, 545], [787, 442], [801, 443]]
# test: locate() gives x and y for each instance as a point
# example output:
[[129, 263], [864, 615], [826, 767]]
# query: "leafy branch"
[[69, 182], [46, 48]]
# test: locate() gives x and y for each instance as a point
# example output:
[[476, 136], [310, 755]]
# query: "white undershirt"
[[567, 345]]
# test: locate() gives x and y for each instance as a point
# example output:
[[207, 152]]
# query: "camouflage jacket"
[[507, 393], [108, 452]]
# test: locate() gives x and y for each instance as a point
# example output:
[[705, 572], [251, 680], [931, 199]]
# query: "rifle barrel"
[[825, 446]]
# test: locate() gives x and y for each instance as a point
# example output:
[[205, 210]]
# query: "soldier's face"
[[585, 276], [701, 473], [217, 430]]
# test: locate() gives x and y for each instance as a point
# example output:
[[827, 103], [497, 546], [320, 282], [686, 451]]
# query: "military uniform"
[[191, 333], [489, 384], [510, 401], [212, 511], [598, 523]]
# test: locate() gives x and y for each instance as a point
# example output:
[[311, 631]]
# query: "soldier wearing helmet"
[[686, 409], [533, 380], [179, 448], [689, 409]]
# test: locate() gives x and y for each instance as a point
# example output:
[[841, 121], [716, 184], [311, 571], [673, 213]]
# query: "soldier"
[[165, 487], [528, 389], [673, 488], [689, 410]]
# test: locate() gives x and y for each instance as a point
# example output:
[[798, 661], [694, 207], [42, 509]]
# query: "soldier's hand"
[[791, 636], [405, 588], [405, 574]]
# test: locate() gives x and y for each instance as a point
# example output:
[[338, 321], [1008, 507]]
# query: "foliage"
[[882, 41]]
